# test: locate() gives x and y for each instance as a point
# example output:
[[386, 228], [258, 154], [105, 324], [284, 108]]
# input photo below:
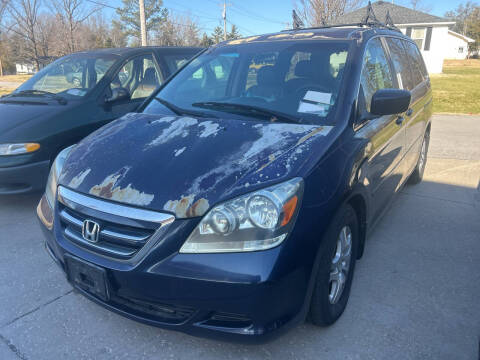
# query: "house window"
[[418, 35], [460, 49]]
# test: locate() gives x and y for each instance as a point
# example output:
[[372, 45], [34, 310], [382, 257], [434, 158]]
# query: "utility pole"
[[143, 23], [224, 20]]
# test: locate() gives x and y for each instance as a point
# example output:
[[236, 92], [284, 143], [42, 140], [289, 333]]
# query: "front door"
[[386, 134]]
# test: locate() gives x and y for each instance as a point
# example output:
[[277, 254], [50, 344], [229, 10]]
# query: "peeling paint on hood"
[[185, 165], [108, 190], [77, 180]]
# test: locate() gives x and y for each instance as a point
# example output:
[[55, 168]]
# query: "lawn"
[[7, 82], [15, 78], [457, 89], [4, 91]]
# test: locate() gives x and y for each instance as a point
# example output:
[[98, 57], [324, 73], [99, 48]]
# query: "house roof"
[[399, 14], [463, 37]]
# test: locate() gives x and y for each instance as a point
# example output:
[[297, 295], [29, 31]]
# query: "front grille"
[[114, 239], [124, 230]]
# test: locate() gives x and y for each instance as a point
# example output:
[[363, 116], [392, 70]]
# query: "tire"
[[417, 174], [325, 309]]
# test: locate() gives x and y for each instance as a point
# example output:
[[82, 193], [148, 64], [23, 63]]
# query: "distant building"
[[457, 47], [429, 32], [29, 67], [24, 68]]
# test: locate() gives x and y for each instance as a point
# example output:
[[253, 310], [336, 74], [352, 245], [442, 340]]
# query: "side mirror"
[[390, 101], [118, 94]]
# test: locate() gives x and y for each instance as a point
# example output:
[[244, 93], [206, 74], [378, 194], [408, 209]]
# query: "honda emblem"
[[90, 231]]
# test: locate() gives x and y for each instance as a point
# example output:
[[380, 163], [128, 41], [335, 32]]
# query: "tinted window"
[[416, 62], [376, 72], [400, 63], [298, 78]]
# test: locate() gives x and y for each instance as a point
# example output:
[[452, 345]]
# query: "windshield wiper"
[[179, 111], [250, 109], [61, 100]]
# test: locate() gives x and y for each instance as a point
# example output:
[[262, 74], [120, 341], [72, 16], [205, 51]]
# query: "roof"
[[133, 50], [320, 33], [399, 15], [463, 37]]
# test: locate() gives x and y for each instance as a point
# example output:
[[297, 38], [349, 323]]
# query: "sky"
[[258, 16]]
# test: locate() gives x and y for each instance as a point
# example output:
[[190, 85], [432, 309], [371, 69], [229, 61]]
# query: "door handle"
[[400, 120], [409, 112]]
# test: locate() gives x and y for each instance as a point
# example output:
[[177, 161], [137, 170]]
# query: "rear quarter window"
[[400, 63]]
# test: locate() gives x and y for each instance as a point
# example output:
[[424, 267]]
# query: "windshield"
[[282, 80], [72, 75]]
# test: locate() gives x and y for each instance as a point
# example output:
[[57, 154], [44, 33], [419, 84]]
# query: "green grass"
[[457, 90]]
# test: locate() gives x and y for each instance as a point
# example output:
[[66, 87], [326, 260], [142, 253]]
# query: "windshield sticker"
[[318, 97], [318, 109], [76, 92]]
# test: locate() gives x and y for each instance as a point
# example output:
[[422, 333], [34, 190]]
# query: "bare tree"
[[3, 5], [178, 31], [420, 5], [321, 12], [72, 13], [25, 13]]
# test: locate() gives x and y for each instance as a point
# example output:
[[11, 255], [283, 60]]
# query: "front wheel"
[[335, 271]]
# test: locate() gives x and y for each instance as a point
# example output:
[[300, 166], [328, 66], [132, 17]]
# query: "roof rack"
[[370, 20]]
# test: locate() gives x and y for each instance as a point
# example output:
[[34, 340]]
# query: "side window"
[[416, 63], [139, 76], [400, 63], [376, 72], [176, 61]]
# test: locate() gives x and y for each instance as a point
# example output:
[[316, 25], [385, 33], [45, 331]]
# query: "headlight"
[[55, 171], [17, 149], [257, 221]]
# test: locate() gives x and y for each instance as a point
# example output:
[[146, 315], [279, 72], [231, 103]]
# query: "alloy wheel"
[[340, 264]]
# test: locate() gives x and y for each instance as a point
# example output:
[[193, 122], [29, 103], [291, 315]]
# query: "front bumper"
[[24, 178], [247, 297]]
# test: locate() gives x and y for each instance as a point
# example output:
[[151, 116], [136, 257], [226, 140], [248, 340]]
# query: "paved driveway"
[[416, 292]]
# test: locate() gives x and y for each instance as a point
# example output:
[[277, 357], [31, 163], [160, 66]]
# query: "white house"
[[25, 68], [430, 32], [457, 47]]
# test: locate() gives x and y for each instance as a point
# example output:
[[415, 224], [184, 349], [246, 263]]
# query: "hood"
[[186, 165], [15, 114]]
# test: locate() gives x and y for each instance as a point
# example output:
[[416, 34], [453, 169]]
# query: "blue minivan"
[[236, 202]]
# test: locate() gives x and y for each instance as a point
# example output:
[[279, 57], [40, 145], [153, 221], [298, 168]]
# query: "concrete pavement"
[[415, 294]]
